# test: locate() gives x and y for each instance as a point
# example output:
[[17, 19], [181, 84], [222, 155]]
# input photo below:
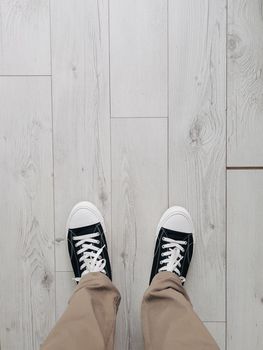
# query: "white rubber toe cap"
[[84, 214], [176, 219]]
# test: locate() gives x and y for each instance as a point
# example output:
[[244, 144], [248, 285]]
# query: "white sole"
[[173, 211], [88, 206]]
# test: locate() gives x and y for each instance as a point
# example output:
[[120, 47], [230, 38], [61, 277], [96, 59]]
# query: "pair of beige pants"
[[168, 319]]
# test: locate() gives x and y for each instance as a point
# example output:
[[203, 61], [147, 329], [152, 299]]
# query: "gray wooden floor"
[[135, 105]]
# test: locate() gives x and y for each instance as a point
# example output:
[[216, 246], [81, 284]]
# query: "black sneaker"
[[174, 243], [87, 244]]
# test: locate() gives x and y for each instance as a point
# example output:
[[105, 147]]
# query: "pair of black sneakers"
[[88, 247]]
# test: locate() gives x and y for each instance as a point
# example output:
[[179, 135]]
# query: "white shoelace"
[[91, 255], [172, 256]]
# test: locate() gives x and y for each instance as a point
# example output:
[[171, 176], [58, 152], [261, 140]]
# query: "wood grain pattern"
[[25, 37], [197, 142], [245, 260], [81, 111], [139, 197], [138, 55], [65, 286], [217, 330], [27, 297], [245, 83]]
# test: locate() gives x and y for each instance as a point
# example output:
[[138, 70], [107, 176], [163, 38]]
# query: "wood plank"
[[138, 55], [65, 286], [197, 142], [139, 197], [245, 83], [27, 298], [81, 111], [25, 37], [217, 329], [244, 259]]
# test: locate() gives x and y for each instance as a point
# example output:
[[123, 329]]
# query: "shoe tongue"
[[86, 229]]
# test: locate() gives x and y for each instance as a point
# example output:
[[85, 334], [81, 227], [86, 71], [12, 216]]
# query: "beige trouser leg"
[[89, 320], [168, 319]]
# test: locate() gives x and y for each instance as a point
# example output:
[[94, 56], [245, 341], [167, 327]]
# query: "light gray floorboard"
[[81, 111], [217, 329], [27, 297], [197, 142], [25, 37], [139, 197], [245, 260], [65, 286], [245, 83], [138, 56]]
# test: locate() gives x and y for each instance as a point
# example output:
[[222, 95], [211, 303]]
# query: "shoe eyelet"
[[163, 246], [162, 254]]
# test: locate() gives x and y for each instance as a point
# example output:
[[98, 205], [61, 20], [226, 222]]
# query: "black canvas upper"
[[74, 257], [187, 254]]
